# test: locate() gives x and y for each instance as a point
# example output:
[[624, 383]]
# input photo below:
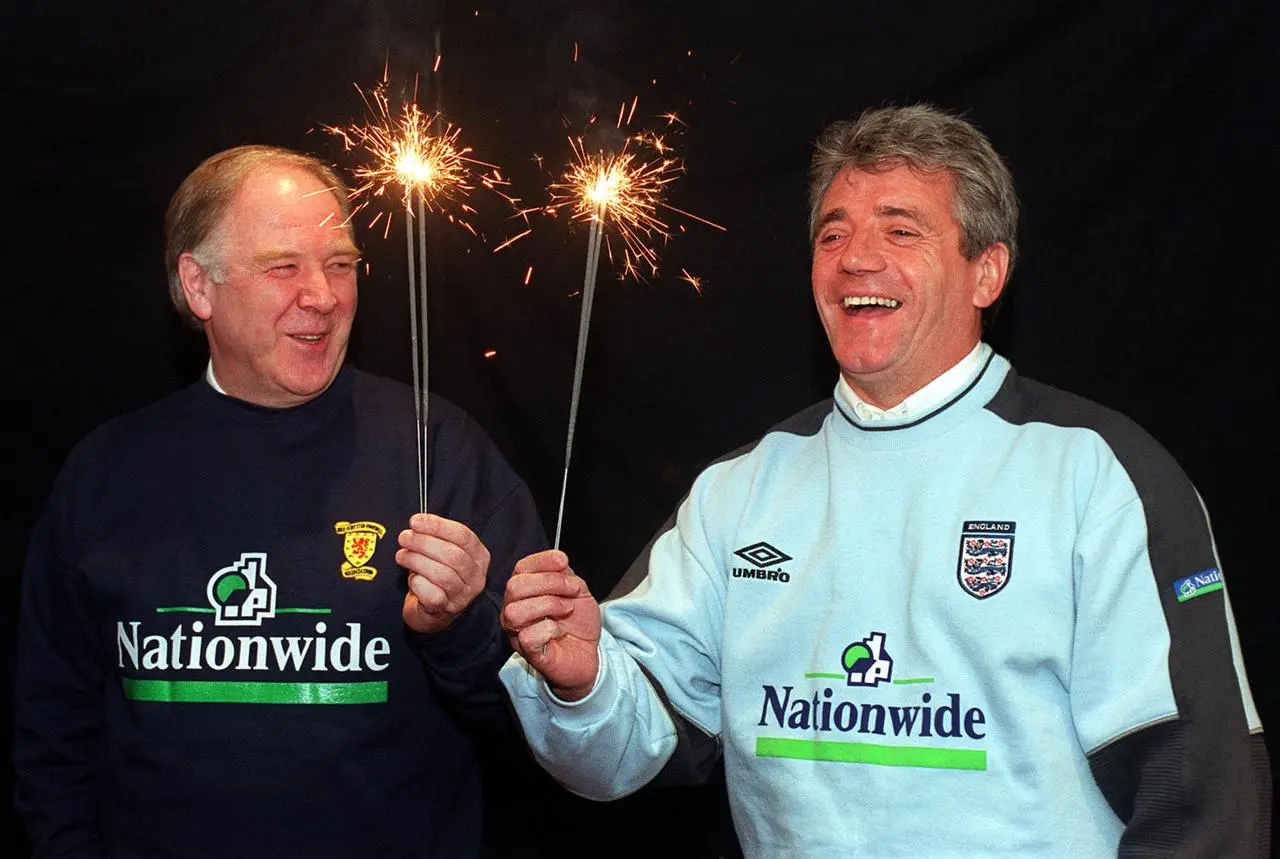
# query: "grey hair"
[[929, 140], [197, 208]]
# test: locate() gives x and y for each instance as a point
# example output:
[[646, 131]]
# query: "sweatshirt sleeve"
[[1159, 693], [58, 701], [656, 705]]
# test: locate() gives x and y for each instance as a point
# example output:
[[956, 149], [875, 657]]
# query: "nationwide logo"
[[986, 557], [761, 555], [242, 594], [1199, 584], [813, 721], [188, 663], [359, 541], [867, 662]]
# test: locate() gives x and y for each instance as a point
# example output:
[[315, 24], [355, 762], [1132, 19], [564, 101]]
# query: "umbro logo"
[[762, 555]]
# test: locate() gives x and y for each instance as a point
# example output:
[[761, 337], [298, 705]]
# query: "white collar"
[[212, 379], [925, 399]]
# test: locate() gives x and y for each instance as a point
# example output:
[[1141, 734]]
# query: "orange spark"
[[692, 280], [402, 150], [624, 191]]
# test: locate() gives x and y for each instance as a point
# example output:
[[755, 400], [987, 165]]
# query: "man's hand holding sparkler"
[[554, 622], [448, 566]]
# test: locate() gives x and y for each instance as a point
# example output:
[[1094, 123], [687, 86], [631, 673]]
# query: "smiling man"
[[239, 636], [949, 613]]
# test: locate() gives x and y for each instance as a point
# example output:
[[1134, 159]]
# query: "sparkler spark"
[[403, 150], [624, 190], [435, 173]]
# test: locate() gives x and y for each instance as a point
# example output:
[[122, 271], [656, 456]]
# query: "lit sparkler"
[[624, 191], [435, 173]]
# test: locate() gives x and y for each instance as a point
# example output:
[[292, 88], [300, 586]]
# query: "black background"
[[1142, 136]]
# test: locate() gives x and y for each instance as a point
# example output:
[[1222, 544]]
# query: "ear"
[[993, 268], [196, 286]]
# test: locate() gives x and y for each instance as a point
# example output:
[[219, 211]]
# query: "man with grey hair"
[[239, 636], [950, 612]]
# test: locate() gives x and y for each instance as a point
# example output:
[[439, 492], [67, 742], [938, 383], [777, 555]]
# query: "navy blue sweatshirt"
[[212, 660]]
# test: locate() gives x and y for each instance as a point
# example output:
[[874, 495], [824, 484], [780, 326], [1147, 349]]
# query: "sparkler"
[[435, 174], [624, 191]]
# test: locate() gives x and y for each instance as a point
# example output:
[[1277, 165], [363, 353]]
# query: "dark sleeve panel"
[[1200, 776], [696, 753]]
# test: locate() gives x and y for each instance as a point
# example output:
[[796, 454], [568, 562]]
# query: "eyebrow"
[[271, 254], [903, 212], [832, 215], [274, 254]]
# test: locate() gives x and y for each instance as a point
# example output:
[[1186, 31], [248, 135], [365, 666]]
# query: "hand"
[[447, 567], [554, 622]]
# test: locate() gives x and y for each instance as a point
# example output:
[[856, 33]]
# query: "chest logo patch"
[[986, 557], [359, 541]]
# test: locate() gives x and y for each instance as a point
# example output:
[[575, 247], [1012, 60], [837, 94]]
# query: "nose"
[[861, 253], [316, 293]]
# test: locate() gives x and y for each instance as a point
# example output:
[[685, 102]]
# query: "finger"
[[531, 585], [444, 576], [517, 616], [532, 641], [448, 531], [549, 560], [430, 596], [438, 550]]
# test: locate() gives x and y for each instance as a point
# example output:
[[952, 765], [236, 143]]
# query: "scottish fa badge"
[[359, 540], [986, 557]]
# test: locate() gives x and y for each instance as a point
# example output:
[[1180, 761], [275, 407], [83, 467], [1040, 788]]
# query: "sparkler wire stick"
[[418, 385], [423, 354], [594, 243]]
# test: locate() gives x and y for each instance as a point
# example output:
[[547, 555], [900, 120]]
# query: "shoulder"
[[761, 461], [372, 391], [141, 429], [1023, 401], [805, 423]]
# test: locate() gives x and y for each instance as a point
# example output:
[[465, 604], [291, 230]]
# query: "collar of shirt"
[[928, 397], [212, 379]]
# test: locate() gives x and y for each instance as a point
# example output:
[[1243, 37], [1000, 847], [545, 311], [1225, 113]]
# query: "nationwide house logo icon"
[[359, 541], [866, 662], [242, 594]]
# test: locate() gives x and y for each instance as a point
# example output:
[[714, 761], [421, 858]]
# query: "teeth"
[[868, 301], [310, 338]]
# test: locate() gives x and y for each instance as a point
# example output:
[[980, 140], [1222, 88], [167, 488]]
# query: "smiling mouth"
[[308, 338], [852, 304]]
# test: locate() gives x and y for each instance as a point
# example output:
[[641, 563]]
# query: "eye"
[[343, 266], [284, 269], [829, 237]]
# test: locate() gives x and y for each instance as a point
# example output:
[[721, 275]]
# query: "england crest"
[[986, 557]]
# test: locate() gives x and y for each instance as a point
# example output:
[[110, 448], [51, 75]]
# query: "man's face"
[[279, 323], [899, 302]]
